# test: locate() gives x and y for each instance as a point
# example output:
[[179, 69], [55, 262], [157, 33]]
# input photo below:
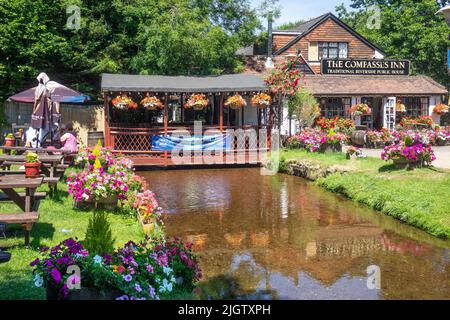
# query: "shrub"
[[99, 238]]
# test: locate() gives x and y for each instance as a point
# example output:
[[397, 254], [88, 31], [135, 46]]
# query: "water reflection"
[[262, 237]]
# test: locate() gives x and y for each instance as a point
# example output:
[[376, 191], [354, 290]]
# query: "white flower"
[[167, 270], [38, 280], [98, 259]]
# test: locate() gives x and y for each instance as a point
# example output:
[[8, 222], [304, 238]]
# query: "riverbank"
[[418, 198]]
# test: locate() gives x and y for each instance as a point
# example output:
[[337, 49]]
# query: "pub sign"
[[376, 67]]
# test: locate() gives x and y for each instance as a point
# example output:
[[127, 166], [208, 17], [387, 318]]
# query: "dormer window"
[[333, 50]]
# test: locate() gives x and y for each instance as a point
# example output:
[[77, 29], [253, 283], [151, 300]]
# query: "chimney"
[[269, 63], [269, 35]]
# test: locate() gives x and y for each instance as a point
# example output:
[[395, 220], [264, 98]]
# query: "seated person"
[[69, 139]]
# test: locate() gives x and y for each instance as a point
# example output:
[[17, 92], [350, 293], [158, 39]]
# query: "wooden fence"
[[83, 118]]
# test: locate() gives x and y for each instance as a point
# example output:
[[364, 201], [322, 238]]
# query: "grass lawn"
[[419, 197], [56, 217]]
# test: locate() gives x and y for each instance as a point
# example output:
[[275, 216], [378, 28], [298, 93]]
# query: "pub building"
[[342, 69]]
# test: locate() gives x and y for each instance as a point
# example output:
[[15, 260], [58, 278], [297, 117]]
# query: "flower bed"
[[136, 271], [108, 181]]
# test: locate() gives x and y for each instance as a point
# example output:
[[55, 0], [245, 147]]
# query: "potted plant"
[[9, 140], [353, 153], [261, 100], [440, 109], [197, 102], [32, 165], [235, 102], [98, 189], [123, 102]]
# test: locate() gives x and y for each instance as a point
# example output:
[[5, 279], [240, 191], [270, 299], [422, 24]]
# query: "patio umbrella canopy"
[[61, 94], [46, 99]]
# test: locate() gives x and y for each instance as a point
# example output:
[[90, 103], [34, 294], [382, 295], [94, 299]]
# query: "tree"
[[168, 37], [283, 82], [304, 106], [410, 29]]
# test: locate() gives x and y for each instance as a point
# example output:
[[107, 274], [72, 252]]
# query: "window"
[[333, 50], [415, 106], [334, 107]]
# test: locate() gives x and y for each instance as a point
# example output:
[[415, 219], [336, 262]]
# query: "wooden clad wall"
[[328, 31], [83, 118]]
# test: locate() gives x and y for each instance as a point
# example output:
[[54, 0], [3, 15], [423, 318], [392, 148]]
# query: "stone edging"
[[309, 170]]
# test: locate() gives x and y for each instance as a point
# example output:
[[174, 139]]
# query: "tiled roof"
[[224, 83], [373, 85]]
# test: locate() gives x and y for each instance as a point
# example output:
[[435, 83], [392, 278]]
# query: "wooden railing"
[[137, 142]]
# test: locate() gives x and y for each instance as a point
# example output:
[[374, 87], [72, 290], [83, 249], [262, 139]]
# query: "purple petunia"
[[127, 278]]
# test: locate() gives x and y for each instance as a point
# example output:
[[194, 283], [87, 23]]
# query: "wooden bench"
[[38, 196], [27, 220]]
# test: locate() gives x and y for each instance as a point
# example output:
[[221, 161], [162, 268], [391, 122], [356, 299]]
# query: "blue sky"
[[294, 10]]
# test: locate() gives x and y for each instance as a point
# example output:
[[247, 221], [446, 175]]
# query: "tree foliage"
[[410, 29], [190, 37], [304, 106]]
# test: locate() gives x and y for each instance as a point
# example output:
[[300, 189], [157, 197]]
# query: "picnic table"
[[21, 150], [27, 201]]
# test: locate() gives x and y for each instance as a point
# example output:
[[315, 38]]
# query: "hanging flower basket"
[[360, 109], [152, 103], [235, 102], [261, 100], [400, 108], [440, 109], [197, 102], [123, 102]]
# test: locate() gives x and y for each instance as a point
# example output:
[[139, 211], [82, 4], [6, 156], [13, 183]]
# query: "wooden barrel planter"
[[358, 137], [94, 137], [402, 163], [109, 204]]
